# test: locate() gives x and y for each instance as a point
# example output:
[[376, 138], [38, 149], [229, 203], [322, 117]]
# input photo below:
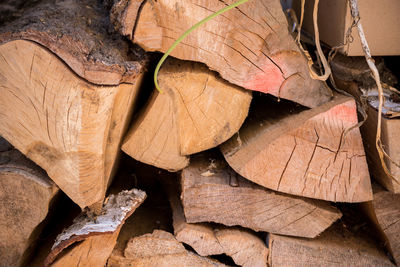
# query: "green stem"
[[186, 33]]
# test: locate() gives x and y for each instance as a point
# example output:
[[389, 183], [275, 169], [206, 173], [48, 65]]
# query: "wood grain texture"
[[159, 248], [384, 211], [222, 197], [80, 33], [69, 127], [335, 247], [249, 46], [26, 195], [312, 153], [196, 111], [242, 246]]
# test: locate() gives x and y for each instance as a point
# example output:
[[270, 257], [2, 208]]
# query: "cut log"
[[249, 46], [158, 249], [312, 153], [384, 211], [219, 195], [197, 111], [69, 125], [352, 75], [98, 234], [335, 247], [26, 195], [243, 247]]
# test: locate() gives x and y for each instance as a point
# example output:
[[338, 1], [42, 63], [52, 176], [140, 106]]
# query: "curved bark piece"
[[79, 32], [98, 234], [217, 194], [310, 154], [26, 194], [69, 127], [197, 111], [249, 46]]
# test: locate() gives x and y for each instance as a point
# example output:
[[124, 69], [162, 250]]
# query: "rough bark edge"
[[116, 210], [82, 37]]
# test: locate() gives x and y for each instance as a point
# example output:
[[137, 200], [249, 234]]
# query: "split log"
[[98, 234], [219, 195], [313, 153], [26, 195], [67, 88], [335, 247], [249, 46], [197, 111], [352, 75], [384, 212], [243, 247], [158, 249]]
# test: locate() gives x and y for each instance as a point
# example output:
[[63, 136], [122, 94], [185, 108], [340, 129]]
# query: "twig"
[[356, 16]]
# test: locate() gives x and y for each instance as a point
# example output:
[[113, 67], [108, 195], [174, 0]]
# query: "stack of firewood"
[[262, 177]]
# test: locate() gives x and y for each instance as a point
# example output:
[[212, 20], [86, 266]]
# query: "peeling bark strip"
[[79, 32], [245, 248], [26, 195], [113, 215], [384, 211], [212, 198], [159, 248], [253, 51], [197, 111], [309, 154]]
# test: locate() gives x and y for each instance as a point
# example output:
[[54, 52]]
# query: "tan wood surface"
[[196, 111], [218, 195], [249, 46], [312, 153], [26, 195]]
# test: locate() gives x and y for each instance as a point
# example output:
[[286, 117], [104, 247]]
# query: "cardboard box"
[[380, 20]]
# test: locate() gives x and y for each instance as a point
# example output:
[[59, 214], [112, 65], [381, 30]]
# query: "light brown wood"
[[196, 111], [335, 247], [26, 195], [123, 15], [98, 235], [312, 153], [218, 195], [384, 212], [159, 248], [249, 46], [69, 127], [243, 247]]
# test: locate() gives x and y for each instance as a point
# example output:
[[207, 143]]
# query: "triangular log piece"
[[61, 103], [214, 193], [241, 245], [97, 233], [26, 195], [384, 211], [335, 247], [196, 111], [353, 75], [159, 248], [249, 46], [313, 153]]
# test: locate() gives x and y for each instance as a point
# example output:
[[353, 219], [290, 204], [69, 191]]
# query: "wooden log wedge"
[[26, 195], [312, 153], [249, 46], [197, 111], [159, 248], [62, 103], [216, 194]]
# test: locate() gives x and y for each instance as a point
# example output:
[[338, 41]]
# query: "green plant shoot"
[[186, 33]]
